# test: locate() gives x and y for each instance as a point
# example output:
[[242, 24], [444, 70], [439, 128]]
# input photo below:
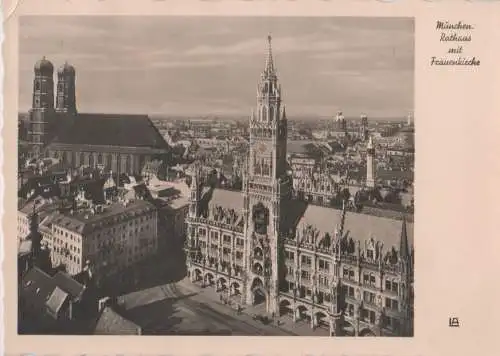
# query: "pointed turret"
[[404, 251]]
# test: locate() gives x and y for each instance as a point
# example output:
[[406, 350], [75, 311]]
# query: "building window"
[[369, 279], [239, 255], [368, 316], [391, 286], [324, 265], [305, 275], [369, 254], [395, 287], [323, 281], [391, 304], [348, 273], [202, 232], [348, 291], [289, 271], [227, 238], [289, 255], [349, 310], [306, 260], [369, 297], [214, 235]]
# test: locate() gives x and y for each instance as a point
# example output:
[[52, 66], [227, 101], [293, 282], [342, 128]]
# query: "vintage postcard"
[[278, 177]]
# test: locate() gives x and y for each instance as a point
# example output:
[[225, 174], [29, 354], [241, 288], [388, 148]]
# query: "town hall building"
[[349, 273]]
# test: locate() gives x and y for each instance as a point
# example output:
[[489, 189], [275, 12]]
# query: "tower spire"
[[269, 59]]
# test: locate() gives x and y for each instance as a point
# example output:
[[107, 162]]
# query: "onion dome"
[[66, 69], [44, 66]]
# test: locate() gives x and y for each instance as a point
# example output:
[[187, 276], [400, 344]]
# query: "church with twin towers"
[[113, 142], [347, 272]]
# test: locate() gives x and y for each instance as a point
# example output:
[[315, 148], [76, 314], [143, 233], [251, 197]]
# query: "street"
[[179, 308]]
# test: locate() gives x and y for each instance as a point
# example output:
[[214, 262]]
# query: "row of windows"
[[307, 260], [98, 159], [72, 237], [214, 235], [304, 292]]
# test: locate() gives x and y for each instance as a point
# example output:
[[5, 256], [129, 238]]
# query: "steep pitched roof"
[[111, 130], [112, 323], [358, 226], [227, 198], [37, 286]]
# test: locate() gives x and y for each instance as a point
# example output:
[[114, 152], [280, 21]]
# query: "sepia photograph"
[[211, 175]]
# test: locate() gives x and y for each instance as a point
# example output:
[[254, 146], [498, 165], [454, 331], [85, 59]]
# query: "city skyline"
[[210, 65]]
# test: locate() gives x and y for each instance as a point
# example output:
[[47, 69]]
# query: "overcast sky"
[[211, 65]]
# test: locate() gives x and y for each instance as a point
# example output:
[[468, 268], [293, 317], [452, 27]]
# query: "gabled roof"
[[38, 286], [112, 323], [111, 130]]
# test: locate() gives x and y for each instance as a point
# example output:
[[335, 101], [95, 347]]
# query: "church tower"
[[66, 97], [364, 127], [370, 164], [42, 110], [196, 191], [266, 188]]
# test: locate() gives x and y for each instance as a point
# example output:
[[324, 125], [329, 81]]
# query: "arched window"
[[91, 160], [99, 158], [260, 216], [82, 158]]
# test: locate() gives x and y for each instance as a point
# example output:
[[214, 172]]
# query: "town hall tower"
[[266, 188]]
